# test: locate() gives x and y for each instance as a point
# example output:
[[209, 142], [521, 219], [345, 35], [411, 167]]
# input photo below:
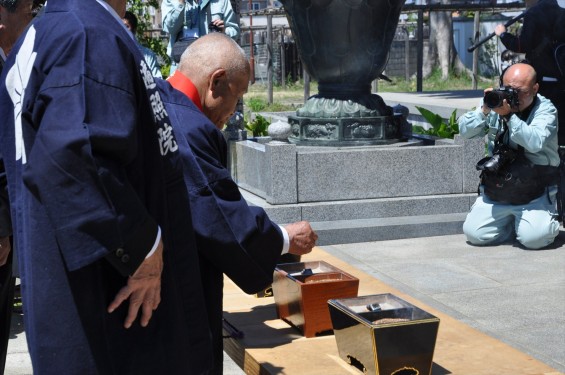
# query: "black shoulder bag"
[[508, 176], [184, 40]]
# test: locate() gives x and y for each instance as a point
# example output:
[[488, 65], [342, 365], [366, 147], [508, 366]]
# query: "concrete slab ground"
[[512, 294]]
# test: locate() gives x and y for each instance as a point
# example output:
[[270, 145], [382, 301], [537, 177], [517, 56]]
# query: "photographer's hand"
[[485, 110], [504, 109], [220, 25]]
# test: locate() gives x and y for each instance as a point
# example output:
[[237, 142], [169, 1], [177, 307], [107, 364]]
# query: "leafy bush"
[[141, 9], [258, 126], [439, 127], [256, 104]]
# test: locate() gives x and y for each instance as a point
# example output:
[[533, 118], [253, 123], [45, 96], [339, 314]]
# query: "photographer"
[[519, 177], [187, 20]]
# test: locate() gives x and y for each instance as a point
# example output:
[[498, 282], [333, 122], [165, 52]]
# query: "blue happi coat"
[[93, 171], [232, 237]]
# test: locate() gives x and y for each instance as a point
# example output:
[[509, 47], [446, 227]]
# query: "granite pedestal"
[[355, 194]]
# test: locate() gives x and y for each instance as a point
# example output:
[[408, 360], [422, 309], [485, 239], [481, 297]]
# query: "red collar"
[[182, 83]]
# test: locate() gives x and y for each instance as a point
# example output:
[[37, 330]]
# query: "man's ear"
[[217, 77]]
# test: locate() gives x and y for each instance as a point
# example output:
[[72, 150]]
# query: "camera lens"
[[493, 99], [494, 163]]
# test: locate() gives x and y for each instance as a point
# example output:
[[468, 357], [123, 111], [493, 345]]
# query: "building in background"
[[259, 4]]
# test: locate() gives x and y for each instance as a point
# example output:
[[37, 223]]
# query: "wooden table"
[[271, 346]]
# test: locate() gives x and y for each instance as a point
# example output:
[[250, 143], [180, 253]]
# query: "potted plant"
[[258, 128], [439, 128]]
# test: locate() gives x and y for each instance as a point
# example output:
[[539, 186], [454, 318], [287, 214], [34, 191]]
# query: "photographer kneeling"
[[518, 189]]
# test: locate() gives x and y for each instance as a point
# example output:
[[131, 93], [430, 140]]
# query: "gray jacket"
[[176, 15], [538, 134]]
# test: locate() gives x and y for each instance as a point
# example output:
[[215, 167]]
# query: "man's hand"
[[5, 249], [219, 23], [499, 29], [302, 237], [504, 109], [143, 289]]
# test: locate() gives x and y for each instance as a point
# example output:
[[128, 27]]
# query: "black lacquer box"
[[383, 334]]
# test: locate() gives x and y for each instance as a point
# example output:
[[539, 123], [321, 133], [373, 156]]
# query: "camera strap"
[[502, 132], [208, 14]]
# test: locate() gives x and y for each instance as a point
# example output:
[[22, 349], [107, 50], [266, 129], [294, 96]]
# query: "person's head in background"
[[130, 20], [15, 15], [219, 69]]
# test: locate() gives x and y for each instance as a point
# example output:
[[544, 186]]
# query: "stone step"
[[392, 228], [364, 220]]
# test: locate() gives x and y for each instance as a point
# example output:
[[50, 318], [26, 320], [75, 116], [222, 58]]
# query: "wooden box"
[[302, 291], [383, 334]]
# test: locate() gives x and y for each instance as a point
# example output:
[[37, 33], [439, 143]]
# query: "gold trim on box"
[[374, 349], [350, 362], [416, 372], [267, 292]]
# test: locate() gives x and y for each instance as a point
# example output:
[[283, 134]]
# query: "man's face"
[[12, 24], [526, 88], [222, 96], [119, 6], [126, 23]]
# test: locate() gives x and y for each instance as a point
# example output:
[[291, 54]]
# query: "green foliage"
[[434, 83], [256, 104], [488, 63], [279, 107], [258, 126], [439, 127], [141, 9]]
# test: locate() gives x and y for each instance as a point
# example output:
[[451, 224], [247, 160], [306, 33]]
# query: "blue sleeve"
[[5, 218], [173, 13], [238, 239], [474, 123], [538, 134], [82, 157], [230, 21]]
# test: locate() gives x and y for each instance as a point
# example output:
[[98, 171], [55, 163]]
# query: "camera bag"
[[180, 46], [183, 42], [517, 182]]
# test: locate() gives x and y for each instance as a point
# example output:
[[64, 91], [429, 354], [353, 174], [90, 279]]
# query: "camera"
[[213, 28], [494, 98], [501, 156]]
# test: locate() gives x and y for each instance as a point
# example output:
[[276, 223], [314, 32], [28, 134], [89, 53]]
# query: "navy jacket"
[[542, 26], [93, 170], [232, 237]]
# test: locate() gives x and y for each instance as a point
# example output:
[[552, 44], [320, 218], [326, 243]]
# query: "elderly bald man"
[[519, 185], [232, 237]]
